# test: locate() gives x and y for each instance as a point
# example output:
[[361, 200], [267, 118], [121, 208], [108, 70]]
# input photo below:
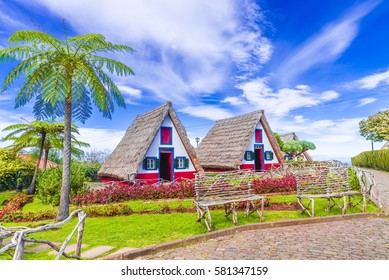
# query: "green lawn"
[[138, 231]]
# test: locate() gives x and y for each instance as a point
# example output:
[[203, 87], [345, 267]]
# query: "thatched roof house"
[[290, 137], [155, 146], [238, 142]]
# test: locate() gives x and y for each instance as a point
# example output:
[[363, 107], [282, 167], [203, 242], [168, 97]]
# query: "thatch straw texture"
[[128, 155], [290, 137], [225, 144]]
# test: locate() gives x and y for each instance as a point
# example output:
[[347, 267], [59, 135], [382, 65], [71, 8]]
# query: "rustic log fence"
[[20, 237]]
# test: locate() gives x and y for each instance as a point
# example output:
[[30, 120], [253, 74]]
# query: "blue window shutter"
[[145, 164], [186, 163], [157, 163]]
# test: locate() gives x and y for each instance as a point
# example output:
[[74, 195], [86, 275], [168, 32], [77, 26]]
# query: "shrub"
[[49, 183], [372, 159], [13, 168]]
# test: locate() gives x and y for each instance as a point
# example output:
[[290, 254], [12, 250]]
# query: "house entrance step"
[[96, 252]]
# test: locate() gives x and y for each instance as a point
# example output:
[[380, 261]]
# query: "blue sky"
[[316, 67]]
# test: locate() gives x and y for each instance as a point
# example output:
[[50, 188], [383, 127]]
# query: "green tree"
[[65, 77], [33, 134], [296, 147], [376, 127]]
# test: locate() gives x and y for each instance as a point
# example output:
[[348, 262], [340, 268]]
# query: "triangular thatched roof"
[[225, 144], [128, 155], [292, 136]]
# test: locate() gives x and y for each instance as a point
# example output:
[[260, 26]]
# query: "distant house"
[[155, 147], [386, 146], [49, 163], [290, 137], [241, 142]]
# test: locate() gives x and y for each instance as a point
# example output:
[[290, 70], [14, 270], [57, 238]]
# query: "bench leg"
[[305, 208], [208, 220], [344, 209], [206, 215]]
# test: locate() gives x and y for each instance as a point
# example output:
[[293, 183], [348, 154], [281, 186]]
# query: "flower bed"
[[183, 189], [13, 206]]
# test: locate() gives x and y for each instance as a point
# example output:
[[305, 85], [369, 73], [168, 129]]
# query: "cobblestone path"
[[360, 239]]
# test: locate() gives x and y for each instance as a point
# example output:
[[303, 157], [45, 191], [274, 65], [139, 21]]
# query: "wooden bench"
[[228, 189], [326, 182]]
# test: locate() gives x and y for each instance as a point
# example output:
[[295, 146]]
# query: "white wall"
[[179, 149], [265, 143]]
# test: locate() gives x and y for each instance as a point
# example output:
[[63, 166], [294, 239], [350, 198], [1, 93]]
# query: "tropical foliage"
[[296, 147], [65, 77], [14, 169], [376, 127], [49, 182]]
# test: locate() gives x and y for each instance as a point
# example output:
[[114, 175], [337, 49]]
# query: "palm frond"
[[35, 37], [113, 66]]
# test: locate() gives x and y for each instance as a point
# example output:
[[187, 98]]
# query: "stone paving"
[[361, 239]]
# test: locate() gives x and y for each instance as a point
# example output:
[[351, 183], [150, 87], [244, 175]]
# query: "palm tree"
[[32, 134], [65, 77], [55, 142]]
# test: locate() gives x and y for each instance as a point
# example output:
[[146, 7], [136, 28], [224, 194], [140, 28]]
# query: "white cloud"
[[258, 95], [365, 101], [300, 119], [130, 94], [101, 139], [334, 139], [233, 100], [184, 48], [373, 81], [210, 112], [326, 46]]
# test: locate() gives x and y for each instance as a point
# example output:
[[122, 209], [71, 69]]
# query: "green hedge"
[[373, 159]]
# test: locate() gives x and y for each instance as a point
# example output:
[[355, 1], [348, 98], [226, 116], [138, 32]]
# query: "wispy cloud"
[[365, 101], [373, 81], [258, 95], [185, 49], [326, 46], [211, 112]]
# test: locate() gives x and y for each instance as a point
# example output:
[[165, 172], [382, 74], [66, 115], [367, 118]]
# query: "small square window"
[[180, 163], [150, 163]]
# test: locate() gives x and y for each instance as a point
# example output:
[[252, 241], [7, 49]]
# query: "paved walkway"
[[381, 179], [360, 239]]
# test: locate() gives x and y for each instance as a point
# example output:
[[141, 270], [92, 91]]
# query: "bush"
[[49, 183], [13, 168], [372, 159]]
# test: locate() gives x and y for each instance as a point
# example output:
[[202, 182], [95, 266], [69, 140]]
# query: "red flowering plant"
[[13, 205], [120, 192]]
